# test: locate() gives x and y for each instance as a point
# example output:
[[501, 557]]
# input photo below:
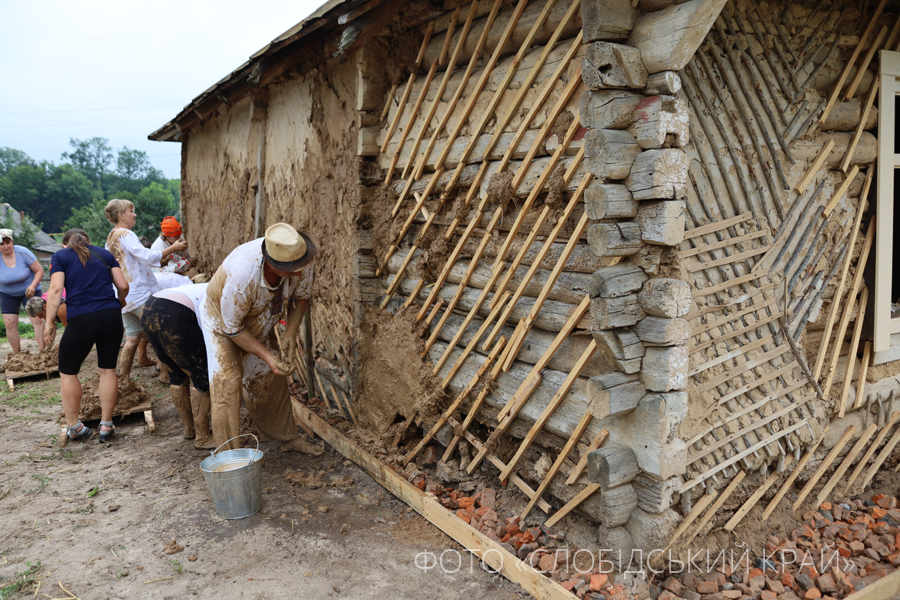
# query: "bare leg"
[[38, 324], [70, 390], [201, 419], [109, 393], [181, 398], [126, 356], [12, 331]]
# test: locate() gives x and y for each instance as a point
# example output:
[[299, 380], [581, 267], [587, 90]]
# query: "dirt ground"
[[97, 519]]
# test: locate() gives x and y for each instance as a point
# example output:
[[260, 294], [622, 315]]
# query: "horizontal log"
[[582, 259], [609, 153], [617, 280], [613, 394], [523, 26], [659, 174], [608, 65], [609, 201], [608, 109], [615, 239], [661, 121], [662, 222], [620, 348], [667, 39], [610, 313], [612, 466], [569, 287], [662, 331], [608, 19], [805, 150], [552, 316], [536, 344], [845, 116], [617, 504]]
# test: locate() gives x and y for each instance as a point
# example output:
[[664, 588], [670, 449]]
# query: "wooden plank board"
[[572, 504], [491, 552], [12, 376]]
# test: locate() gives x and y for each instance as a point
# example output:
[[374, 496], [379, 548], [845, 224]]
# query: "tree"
[[10, 158], [92, 219], [91, 157], [152, 205], [46, 192]]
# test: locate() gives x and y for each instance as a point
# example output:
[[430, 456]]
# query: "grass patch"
[[21, 582], [32, 397]]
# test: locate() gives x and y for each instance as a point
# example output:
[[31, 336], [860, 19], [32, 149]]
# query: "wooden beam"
[[669, 38], [793, 477]]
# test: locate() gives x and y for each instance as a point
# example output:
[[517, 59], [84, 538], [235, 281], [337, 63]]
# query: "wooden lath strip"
[[736, 457], [582, 462], [882, 456], [773, 504], [572, 504], [872, 448], [731, 317], [412, 117], [469, 347], [419, 207], [733, 334], [727, 260], [864, 66], [814, 479], [730, 355], [714, 289], [573, 439], [548, 411], [854, 346], [743, 368], [412, 77], [723, 244], [870, 101], [757, 404], [817, 163], [701, 505], [839, 193], [845, 464], [755, 497], [717, 226], [460, 398], [726, 493], [749, 428]]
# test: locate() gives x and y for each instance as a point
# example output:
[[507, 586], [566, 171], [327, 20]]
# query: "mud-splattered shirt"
[[239, 297], [136, 262]]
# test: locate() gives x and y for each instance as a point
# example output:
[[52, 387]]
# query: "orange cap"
[[170, 226]]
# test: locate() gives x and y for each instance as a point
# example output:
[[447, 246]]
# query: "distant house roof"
[[285, 51], [41, 239]]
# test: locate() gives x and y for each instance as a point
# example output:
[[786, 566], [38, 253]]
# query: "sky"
[[121, 69]]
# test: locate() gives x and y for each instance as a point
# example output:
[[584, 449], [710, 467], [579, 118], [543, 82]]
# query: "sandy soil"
[[334, 534]]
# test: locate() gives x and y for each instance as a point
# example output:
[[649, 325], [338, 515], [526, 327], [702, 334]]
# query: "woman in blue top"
[[88, 274], [20, 279]]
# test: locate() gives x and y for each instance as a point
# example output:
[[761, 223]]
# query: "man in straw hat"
[[259, 284]]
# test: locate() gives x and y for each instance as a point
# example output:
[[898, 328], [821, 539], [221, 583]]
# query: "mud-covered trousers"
[[234, 373]]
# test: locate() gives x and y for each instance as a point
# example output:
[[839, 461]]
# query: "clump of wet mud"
[[396, 385], [500, 189], [382, 224], [26, 362], [131, 394], [434, 256], [561, 124]]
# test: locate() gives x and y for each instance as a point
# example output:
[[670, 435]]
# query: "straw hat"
[[286, 249]]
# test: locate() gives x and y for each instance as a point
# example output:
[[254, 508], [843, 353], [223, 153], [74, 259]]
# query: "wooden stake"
[[872, 448], [854, 346], [412, 77], [755, 497], [716, 506], [793, 477], [863, 373], [688, 519], [550, 408], [845, 464], [573, 439], [839, 291], [572, 504], [457, 402], [824, 466], [845, 319], [848, 66], [861, 71], [815, 166], [582, 462], [882, 456]]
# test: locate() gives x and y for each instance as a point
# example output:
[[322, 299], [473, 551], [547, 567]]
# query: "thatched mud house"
[[647, 245]]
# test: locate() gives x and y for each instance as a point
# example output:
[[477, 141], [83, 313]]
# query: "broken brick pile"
[[853, 543]]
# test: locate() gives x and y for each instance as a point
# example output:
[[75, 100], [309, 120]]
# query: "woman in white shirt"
[[136, 262]]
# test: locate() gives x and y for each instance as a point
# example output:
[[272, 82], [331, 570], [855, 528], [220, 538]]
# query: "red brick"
[[547, 563], [787, 580], [667, 595], [887, 502], [465, 501], [569, 584], [464, 516], [671, 584], [599, 581], [812, 594], [707, 587]]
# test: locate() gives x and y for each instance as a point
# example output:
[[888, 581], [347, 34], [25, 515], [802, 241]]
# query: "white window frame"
[[886, 329]]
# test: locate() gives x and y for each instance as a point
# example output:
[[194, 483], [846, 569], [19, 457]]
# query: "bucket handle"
[[213, 453]]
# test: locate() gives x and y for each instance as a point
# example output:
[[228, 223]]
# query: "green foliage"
[[46, 192], [25, 237], [93, 491], [21, 582], [26, 330], [10, 158], [152, 204], [90, 157], [176, 566], [92, 219]]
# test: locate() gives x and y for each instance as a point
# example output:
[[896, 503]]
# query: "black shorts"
[[10, 305], [173, 331], [103, 328]]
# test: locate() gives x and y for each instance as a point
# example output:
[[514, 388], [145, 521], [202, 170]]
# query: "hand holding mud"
[[280, 367]]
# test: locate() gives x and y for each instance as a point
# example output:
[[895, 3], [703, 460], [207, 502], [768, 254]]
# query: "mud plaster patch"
[[395, 383], [554, 199], [384, 233], [500, 189], [114, 242], [561, 124], [434, 256], [26, 362]]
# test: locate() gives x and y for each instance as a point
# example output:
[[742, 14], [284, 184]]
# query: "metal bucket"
[[234, 478]]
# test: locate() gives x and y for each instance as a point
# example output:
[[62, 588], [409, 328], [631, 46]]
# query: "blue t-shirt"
[[88, 289], [15, 281]]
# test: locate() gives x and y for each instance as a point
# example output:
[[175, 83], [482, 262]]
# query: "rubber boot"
[[181, 397], [126, 360], [201, 403]]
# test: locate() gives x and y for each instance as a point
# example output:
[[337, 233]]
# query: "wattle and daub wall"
[[623, 230]]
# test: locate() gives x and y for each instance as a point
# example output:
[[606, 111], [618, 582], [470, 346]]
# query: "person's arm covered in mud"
[[250, 344], [54, 296]]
